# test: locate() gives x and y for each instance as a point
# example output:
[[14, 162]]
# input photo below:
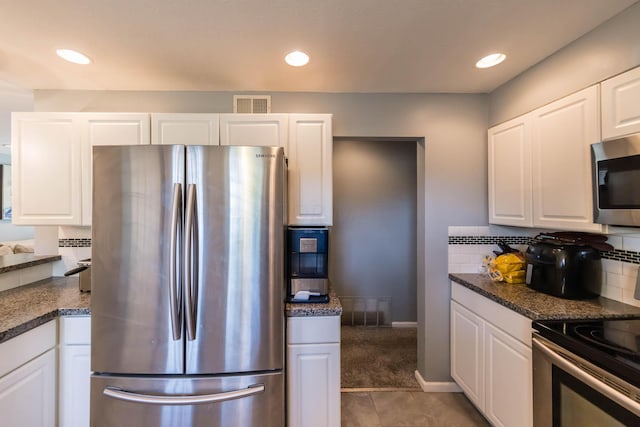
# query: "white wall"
[[455, 176], [610, 49], [373, 238]]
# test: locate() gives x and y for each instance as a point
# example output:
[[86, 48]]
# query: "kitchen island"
[[29, 306], [24, 260]]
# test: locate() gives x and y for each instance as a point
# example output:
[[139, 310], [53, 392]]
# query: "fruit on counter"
[[508, 267]]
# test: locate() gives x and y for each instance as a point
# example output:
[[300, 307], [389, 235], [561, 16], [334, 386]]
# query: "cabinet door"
[[28, 394], [75, 374], [254, 129], [562, 134], [75, 371], [310, 169], [510, 173], [313, 385], [508, 379], [107, 129], [467, 353], [46, 172], [187, 129], [621, 105]]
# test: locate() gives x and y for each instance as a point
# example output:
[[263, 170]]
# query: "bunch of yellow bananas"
[[508, 268]]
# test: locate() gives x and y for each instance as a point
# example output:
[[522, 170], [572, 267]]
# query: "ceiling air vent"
[[251, 103]]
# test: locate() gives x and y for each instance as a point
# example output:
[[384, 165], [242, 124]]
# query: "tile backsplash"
[[469, 245]]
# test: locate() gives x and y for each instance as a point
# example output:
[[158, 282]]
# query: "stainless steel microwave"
[[616, 181]]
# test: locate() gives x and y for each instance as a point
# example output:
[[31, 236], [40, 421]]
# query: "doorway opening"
[[373, 258]]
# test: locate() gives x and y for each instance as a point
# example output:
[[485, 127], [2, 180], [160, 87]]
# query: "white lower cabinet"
[[508, 381], [28, 379], [75, 371], [491, 357], [313, 371], [467, 353]]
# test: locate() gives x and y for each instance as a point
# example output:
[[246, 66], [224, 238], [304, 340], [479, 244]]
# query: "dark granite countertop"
[[305, 309], [538, 306], [29, 306], [19, 261]]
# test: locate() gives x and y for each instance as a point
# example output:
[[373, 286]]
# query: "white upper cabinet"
[[621, 105], [52, 156], [107, 129], [510, 173], [254, 129], [188, 129], [563, 132], [310, 169], [540, 165], [46, 174]]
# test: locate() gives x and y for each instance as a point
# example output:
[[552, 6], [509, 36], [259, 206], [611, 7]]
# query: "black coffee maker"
[[308, 264]]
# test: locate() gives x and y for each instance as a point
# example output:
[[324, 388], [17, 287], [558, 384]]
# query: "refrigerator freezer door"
[[235, 276], [251, 400], [137, 203]]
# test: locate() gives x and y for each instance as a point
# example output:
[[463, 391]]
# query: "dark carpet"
[[378, 357]]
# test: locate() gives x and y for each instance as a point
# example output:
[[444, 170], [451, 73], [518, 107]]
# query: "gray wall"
[[454, 176], [610, 49], [373, 239]]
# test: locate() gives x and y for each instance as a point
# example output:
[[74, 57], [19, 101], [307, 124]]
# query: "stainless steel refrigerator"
[[187, 286]]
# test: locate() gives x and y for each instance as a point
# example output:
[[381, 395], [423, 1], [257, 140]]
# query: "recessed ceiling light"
[[297, 58], [73, 56], [491, 60]]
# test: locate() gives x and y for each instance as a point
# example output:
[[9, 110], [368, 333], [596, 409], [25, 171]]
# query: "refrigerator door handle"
[[190, 283], [175, 294], [181, 399]]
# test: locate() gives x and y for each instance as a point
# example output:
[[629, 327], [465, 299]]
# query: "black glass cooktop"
[[614, 345]]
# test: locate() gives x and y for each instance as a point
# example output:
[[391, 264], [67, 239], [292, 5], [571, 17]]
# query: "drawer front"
[[313, 330]]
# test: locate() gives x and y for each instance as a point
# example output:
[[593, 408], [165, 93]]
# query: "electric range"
[[613, 345]]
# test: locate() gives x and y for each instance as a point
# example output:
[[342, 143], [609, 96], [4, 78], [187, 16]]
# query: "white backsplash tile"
[[629, 269], [611, 292], [630, 243], [74, 232], [615, 241], [612, 266], [627, 297], [619, 277]]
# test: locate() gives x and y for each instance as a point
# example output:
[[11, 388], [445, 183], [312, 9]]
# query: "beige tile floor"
[[408, 409]]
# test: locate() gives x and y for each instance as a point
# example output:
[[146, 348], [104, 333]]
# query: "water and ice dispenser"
[[308, 264]]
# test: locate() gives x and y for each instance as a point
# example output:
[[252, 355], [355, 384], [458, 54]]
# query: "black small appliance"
[[562, 269], [308, 264]]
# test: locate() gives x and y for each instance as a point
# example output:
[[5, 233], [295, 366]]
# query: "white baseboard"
[[437, 387], [404, 324]]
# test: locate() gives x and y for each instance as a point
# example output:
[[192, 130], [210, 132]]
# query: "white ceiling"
[[239, 45]]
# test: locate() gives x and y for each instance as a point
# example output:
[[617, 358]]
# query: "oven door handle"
[[611, 393]]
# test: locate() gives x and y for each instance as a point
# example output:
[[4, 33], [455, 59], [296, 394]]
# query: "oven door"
[[569, 391]]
